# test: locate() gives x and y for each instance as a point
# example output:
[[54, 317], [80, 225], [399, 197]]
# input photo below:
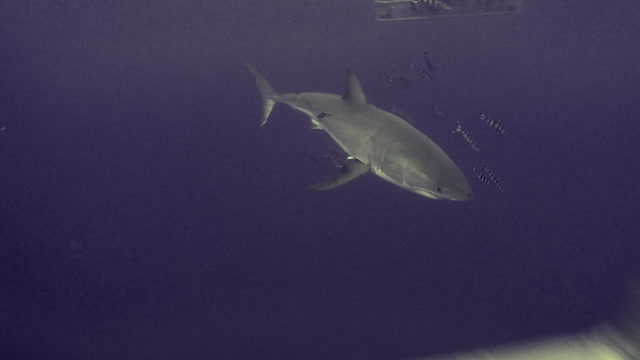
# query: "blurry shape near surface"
[[617, 339], [389, 10], [602, 343]]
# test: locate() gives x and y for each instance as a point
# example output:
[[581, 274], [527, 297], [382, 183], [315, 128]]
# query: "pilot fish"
[[493, 124], [467, 137], [421, 72]]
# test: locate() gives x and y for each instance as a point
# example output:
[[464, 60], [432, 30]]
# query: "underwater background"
[[146, 214]]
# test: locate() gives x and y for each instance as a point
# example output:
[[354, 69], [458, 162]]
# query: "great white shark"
[[375, 141]]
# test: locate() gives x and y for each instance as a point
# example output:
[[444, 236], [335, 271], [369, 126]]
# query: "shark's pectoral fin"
[[349, 171]]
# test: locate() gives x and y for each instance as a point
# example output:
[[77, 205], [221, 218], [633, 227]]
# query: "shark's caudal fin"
[[266, 91]]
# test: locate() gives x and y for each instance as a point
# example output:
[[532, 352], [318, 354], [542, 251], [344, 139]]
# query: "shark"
[[374, 140]]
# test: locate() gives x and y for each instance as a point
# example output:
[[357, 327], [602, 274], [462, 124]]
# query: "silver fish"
[[427, 61], [493, 124], [494, 179], [421, 72], [467, 137], [437, 112], [400, 81], [480, 175]]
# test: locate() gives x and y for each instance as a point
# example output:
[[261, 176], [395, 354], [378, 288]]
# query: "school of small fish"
[[485, 174]]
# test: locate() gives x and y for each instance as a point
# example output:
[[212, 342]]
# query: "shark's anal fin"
[[349, 171]]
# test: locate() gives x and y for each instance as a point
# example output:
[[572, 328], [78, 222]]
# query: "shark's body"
[[375, 140]]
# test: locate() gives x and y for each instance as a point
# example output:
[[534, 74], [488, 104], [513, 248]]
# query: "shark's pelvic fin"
[[266, 91], [351, 170], [354, 89], [315, 125]]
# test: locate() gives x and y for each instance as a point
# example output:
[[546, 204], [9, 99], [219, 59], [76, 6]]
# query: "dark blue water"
[[145, 214]]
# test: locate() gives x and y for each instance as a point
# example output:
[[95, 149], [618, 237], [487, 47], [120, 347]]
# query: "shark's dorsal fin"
[[354, 89]]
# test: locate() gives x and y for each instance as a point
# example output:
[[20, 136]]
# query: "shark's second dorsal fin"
[[354, 89]]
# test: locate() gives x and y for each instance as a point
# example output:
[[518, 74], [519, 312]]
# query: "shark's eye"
[[438, 189]]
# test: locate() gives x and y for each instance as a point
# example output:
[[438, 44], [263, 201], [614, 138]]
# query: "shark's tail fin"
[[266, 92]]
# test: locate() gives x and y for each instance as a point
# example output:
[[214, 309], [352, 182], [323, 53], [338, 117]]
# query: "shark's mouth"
[[427, 193], [442, 195]]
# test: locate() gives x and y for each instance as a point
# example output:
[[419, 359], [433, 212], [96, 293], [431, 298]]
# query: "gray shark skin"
[[376, 141]]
